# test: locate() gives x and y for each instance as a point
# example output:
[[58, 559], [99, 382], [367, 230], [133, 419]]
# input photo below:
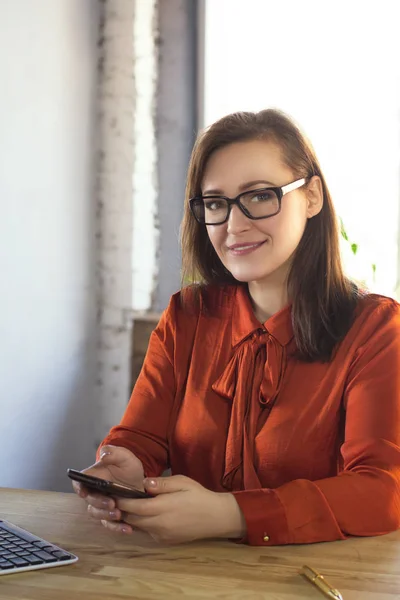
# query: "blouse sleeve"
[[143, 428], [364, 499]]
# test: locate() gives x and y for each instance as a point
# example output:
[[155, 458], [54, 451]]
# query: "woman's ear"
[[315, 196]]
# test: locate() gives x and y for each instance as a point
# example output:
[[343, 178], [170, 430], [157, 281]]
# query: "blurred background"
[[100, 103]]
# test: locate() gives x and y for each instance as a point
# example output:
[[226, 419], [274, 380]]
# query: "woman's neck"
[[268, 297]]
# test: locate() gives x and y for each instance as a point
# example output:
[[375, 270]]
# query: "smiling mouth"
[[239, 250]]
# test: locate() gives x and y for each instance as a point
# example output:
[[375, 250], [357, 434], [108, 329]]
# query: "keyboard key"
[[33, 560], [45, 556], [61, 555], [44, 546], [6, 565], [19, 562], [29, 547]]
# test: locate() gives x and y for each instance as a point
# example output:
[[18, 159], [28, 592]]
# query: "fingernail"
[[125, 530], [151, 483], [104, 523], [113, 514], [104, 453]]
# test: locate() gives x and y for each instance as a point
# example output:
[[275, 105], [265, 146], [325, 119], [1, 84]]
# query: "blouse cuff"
[[265, 517]]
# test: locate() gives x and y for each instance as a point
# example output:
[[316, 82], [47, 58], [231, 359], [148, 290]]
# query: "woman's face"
[[254, 250]]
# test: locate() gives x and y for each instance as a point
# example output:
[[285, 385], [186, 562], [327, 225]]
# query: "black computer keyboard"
[[21, 550]]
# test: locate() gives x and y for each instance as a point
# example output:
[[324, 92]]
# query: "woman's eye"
[[262, 196], [213, 204]]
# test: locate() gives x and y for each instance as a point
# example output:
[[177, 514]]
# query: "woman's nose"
[[237, 221]]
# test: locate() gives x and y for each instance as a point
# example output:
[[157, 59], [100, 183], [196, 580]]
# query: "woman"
[[272, 387]]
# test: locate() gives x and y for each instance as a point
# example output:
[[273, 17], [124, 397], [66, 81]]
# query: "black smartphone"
[[109, 488]]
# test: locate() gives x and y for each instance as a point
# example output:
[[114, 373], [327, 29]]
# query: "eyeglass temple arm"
[[293, 186]]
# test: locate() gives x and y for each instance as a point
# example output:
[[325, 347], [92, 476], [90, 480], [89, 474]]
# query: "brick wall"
[[147, 106], [115, 203]]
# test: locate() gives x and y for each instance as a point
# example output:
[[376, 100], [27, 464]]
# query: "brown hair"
[[323, 299]]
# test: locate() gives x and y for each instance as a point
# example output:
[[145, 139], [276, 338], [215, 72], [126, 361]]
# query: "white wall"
[[48, 62]]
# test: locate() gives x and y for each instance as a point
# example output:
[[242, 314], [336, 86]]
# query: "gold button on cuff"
[[266, 538]]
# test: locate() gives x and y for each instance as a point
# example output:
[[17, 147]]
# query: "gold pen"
[[320, 582]]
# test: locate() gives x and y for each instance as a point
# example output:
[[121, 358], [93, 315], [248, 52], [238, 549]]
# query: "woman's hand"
[[116, 464], [182, 510]]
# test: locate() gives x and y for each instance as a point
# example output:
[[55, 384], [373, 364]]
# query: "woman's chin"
[[248, 276]]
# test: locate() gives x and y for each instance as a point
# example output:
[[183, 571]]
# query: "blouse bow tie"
[[251, 381]]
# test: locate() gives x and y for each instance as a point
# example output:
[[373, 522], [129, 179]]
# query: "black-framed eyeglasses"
[[255, 204]]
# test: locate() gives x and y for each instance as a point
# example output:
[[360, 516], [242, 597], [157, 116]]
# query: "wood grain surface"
[[114, 567]]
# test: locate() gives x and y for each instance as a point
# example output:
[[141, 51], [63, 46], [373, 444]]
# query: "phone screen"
[[103, 486]]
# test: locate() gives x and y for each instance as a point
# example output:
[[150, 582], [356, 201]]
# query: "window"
[[334, 67]]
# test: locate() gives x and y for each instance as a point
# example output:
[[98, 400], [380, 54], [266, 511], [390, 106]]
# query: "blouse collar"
[[244, 321]]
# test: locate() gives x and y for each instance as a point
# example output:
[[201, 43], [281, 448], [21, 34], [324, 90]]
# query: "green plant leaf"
[[343, 231], [354, 248]]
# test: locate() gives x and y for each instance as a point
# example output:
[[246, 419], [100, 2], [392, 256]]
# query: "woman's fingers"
[[117, 527], [104, 514], [100, 501], [79, 489], [143, 508], [96, 500]]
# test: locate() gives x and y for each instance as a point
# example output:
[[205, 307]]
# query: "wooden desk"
[[114, 567]]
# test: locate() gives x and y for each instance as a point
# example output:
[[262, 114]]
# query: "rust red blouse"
[[310, 451]]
